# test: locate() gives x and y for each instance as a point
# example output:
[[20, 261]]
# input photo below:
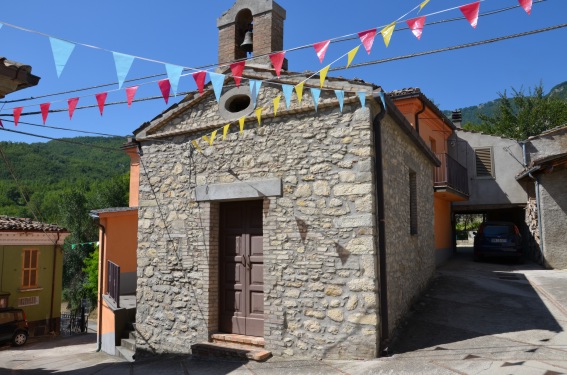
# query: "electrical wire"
[[227, 63], [64, 129]]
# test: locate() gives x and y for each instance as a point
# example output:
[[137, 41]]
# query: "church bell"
[[247, 45]]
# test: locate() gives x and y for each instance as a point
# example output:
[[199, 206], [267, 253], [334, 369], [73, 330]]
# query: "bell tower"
[[265, 18]]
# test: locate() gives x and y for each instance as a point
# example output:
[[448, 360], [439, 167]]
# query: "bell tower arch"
[[265, 17]]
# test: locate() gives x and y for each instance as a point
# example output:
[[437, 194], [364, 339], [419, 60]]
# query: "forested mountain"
[[471, 114], [45, 170]]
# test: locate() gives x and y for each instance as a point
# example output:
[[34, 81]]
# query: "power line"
[[333, 40], [65, 129]]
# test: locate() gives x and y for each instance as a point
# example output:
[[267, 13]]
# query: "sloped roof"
[[415, 92], [27, 225]]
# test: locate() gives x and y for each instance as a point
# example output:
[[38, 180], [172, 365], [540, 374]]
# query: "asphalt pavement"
[[476, 318]]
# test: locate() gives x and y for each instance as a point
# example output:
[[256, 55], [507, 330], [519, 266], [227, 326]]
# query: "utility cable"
[[64, 129]]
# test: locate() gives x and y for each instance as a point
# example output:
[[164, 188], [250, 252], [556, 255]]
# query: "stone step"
[[230, 351], [132, 335], [124, 353], [221, 338], [128, 344]]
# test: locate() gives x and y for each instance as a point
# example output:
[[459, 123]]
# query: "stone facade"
[[554, 212], [321, 288]]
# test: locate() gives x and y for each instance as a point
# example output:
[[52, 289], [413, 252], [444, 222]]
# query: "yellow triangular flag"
[[277, 104], [259, 116], [387, 32], [299, 91], [206, 139], [213, 135], [224, 131], [241, 122], [196, 145], [422, 5], [351, 55], [323, 74]]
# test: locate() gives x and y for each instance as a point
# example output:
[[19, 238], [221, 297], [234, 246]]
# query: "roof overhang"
[[17, 238]]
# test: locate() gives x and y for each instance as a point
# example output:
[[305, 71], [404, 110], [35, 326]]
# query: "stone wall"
[[554, 216], [410, 258], [319, 237]]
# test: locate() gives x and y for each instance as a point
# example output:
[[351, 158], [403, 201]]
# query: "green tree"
[[523, 115], [91, 272]]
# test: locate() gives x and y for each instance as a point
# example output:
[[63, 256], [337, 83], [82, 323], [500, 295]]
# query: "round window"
[[236, 103]]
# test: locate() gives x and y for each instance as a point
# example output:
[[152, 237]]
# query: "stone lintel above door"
[[239, 190]]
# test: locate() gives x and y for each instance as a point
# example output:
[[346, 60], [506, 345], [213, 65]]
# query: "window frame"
[[492, 174], [26, 284]]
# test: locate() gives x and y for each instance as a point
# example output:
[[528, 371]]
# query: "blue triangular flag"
[[362, 97], [341, 96], [173, 74], [383, 100], [255, 89], [316, 93], [123, 63], [218, 82], [61, 52], [288, 92]]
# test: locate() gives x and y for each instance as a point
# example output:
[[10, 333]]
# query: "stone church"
[[306, 237]]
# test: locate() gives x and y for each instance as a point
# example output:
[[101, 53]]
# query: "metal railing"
[[451, 174], [114, 282]]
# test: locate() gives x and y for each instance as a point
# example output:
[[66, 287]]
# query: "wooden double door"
[[241, 268]]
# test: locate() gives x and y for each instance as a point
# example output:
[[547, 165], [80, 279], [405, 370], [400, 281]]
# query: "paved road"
[[476, 318]]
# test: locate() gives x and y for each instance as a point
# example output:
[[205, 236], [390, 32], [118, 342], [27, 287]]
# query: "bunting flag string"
[[259, 116], [288, 92], [44, 111], [200, 80], [387, 33], [72, 104], [323, 74], [165, 88], [61, 52], [1, 124], [527, 5], [299, 91], [255, 90], [352, 54], [237, 69], [130, 93], [470, 11], [241, 123], [277, 62], [367, 39], [416, 26], [383, 99], [210, 139], [321, 49], [422, 5], [173, 74], [341, 97], [17, 113], [276, 102], [316, 94], [225, 131], [362, 97], [196, 145], [101, 99], [123, 64], [217, 81]]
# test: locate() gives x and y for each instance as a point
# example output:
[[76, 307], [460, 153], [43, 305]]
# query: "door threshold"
[[230, 338]]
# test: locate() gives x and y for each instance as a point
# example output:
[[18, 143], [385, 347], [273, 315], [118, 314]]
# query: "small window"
[[29, 268], [6, 317], [484, 162], [413, 202]]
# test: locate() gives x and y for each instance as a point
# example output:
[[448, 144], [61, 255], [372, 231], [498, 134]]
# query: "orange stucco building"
[[117, 265], [450, 180]]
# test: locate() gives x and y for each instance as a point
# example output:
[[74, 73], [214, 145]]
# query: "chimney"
[[457, 118], [265, 17]]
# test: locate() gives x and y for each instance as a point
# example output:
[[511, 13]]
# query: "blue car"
[[498, 239]]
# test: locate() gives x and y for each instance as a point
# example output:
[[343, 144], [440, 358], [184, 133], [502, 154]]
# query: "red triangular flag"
[[470, 11], [2, 125], [321, 49], [44, 111], [367, 39], [237, 69], [200, 80], [17, 113], [101, 98], [527, 5], [130, 92], [165, 87], [72, 105], [416, 26], [277, 61]]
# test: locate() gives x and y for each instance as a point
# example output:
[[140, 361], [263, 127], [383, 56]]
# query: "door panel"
[[241, 268]]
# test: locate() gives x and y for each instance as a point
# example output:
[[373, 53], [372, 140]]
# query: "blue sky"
[[184, 33]]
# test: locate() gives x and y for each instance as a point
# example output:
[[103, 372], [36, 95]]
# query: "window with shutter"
[[484, 165], [413, 202], [29, 269]]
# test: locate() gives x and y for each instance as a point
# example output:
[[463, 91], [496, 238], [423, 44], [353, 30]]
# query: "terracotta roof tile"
[[27, 225]]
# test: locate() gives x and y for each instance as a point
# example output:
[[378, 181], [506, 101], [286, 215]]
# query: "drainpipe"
[[524, 158], [381, 221], [537, 185], [51, 324], [417, 117], [100, 276]]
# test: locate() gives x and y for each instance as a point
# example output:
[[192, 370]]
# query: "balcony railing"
[[114, 282], [451, 174]]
